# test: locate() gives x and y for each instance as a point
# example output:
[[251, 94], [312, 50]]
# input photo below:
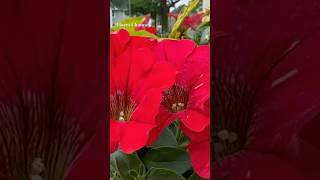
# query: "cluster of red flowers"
[[153, 83]]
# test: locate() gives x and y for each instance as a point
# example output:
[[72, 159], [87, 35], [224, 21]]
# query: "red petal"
[[195, 66], [194, 120], [196, 137], [199, 150], [260, 166], [116, 128], [200, 92], [161, 77], [288, 100], [113, 75], [121, 69], [197, 80], [309, 146], [140, 42], [151, 30], [255, 39], [200, 158], [193, 21], [148, 107], [163, 119], [135, 136], [92, 160], [8, 84], [118, 42], [142, 60], [176, 52]]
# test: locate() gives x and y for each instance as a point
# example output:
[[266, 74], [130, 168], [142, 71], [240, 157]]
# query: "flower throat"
[[121, 106], [176, 98], [233, 105]]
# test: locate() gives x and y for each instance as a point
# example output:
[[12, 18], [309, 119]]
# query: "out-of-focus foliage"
[[131, 25], [176, 30], [194, 26]]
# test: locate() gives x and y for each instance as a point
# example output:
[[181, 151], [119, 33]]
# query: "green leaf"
[[190, 33], [128, 24], [201, 35], [181, 138], [171, 158], [161, 174], [128, 166], [142, 33], [204, 30], [167, 139], [194, 176], [205, 36], [175, 33]]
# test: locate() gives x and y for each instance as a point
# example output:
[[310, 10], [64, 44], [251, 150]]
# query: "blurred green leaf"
[[171, 158], [163, 174], [143, 33], [190, 33], [175, 33], [128, 166], [128, 24], [204, 31], [167, 139], [181, 138], [201, 35]]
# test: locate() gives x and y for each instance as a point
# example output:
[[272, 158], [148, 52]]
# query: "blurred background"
[[162, 13]]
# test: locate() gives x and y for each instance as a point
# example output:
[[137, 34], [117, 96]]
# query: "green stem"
[[175, 33]]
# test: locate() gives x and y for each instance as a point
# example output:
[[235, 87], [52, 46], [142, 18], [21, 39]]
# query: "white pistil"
[[121, 116], [174, 106], [228, 135], [223, 134], [177, 106], [181, 104], [37, 167]]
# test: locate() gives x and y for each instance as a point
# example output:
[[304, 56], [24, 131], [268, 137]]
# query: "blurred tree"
[[123, 4], [155, 8]]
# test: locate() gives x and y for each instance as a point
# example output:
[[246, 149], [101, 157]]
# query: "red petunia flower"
[[145, 26], [51, 89], [146, 18], [150, 29], [185, 99], [137, 81], [266, 101], [199, 150], [192, 21]]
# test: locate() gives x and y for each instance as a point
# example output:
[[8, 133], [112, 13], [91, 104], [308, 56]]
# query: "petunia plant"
[[159, 103]]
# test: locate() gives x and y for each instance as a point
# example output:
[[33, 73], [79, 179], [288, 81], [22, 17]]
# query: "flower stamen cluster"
[[121, 106], [176, 98]]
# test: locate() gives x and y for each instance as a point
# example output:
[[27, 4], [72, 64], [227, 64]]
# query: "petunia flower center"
[[121, 106], [176, 98], [37, 168], [233, 107], [38, 141]]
